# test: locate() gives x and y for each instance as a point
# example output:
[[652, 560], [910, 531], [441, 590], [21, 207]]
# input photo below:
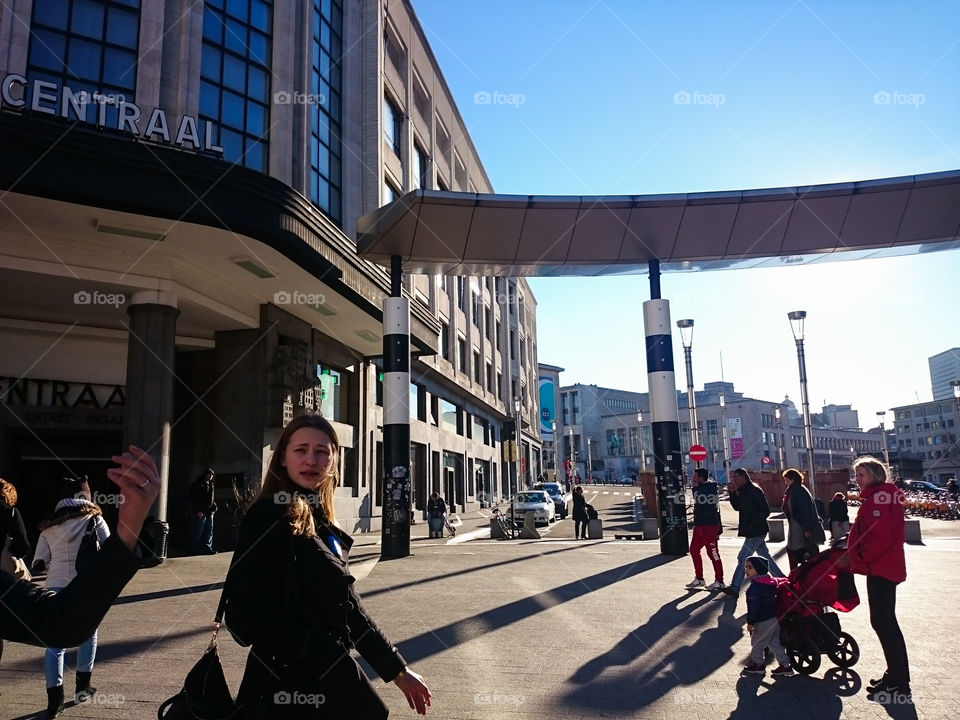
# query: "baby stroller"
[[805, 604], [437, 523]]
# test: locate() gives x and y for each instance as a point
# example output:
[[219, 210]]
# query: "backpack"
[[89, 547]]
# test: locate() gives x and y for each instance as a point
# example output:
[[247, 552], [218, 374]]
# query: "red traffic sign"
[[698, 453], [765, 460]]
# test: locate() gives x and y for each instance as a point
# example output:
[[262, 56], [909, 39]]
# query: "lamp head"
[[686, 332], [640, 417], [796, 323], [956, 388]]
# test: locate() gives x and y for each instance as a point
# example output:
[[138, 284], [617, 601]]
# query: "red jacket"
[[875, 542]]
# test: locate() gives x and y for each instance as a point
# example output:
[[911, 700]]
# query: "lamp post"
[[589, 470], [573, 468], [686, 337], [881, 414], [853, 455], [956, 396], [556, 451], [796, 325], [643, 455], [726, 444], [776, 415], [516, 466]]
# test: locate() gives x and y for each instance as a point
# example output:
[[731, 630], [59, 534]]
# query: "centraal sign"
[[48, 97]]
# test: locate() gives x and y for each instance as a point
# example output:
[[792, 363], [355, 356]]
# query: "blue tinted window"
[[239, 106], [119, 67], [86, 44], [51, 12], [325, 113], [87, 19], [83, 59], [47, 50], [122, 27], [212, 26]]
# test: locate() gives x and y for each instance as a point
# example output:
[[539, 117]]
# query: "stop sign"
[[698, 453]]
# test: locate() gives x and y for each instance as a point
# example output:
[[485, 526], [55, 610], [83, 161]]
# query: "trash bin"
[[153, 543]]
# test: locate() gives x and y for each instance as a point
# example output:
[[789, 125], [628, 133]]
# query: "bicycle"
[[503, 522]]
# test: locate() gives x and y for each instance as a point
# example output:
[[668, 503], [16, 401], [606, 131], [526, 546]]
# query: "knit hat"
[[759, 564]]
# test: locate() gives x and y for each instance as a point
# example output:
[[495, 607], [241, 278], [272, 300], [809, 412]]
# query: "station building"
[[181, 183]]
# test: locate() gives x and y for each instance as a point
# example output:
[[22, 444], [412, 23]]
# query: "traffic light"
[[509, 429]]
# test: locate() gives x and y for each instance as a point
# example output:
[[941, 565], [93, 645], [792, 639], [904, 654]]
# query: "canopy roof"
[[474, 234]]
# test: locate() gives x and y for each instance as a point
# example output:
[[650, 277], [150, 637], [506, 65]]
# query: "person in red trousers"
[[706, 530]]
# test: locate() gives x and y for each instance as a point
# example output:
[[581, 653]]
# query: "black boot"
[[54, 701], [84, 691]]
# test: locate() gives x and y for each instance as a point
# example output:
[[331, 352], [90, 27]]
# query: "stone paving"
[[533, 629]]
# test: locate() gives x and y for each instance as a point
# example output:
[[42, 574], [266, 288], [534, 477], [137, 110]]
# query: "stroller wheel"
[[804, 655], [846, 653]]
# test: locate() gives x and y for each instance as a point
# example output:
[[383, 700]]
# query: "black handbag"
[[89, 547], [205, 694]]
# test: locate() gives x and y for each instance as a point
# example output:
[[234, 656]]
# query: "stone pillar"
[[150, 358]]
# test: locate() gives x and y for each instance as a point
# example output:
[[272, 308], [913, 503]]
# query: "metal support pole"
[[395, 527], [664, 420], [807, 427], [780, 463], [726, 441]]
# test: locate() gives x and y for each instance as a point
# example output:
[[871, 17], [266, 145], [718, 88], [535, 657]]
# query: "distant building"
[[930, 430], [599, 430], [944, 367], [840, 416]]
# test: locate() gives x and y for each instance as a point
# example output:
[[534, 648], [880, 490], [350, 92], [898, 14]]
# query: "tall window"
[[391, 124], [235, 78], [325, 113], [420, 164], [88, 46]]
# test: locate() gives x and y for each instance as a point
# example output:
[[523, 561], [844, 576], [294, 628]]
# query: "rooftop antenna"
[[721, 366]]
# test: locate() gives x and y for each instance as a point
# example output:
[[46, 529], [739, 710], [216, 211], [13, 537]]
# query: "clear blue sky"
[[587, 99]]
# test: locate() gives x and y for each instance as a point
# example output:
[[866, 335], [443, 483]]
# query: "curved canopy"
[[473, 234]]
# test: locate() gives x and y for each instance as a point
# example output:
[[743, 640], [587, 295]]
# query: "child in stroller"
[[808, 627]]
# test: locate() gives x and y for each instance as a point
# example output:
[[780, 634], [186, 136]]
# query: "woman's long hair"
[[8, 493], [793, 475], [277, 482], [875, 469]]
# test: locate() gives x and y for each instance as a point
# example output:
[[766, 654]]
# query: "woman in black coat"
[[290, 595], [580, 517], [805, 530]]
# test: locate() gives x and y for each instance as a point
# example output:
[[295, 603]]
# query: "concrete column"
[[150, 359]]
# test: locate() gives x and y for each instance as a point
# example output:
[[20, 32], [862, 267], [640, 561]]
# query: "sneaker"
[[715, 585], [782, 671], [695, 583], [878, 684], [754, 669]]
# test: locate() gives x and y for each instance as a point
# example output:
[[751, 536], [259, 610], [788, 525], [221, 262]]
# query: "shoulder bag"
[[10, 563]]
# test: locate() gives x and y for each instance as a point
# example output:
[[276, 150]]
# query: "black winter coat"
[[11, 523], [579, 507], [706, 510], [304, 648], [32, 615], [752, 504]]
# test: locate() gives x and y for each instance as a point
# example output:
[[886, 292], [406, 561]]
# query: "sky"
[[566, 97]]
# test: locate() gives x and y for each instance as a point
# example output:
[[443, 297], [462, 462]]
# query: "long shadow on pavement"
[[455, 633]]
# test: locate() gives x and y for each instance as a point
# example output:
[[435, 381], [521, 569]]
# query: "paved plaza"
[[535, 629]]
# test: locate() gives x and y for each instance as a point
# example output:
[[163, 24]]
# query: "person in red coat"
[[875, 549]]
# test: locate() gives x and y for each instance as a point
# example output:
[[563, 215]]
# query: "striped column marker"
[[395, 528], [665, 426]]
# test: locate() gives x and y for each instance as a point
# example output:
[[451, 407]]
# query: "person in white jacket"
[[75, 515]]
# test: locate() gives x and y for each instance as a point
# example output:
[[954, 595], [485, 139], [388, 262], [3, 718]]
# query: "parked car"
[[924, 486], [558, 495], [536, 501]]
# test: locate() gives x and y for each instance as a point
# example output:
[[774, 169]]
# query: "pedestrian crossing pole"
[[665, 421], [395, 525]]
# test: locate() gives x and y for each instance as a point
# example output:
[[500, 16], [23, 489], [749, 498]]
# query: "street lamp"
[[573, 469], [686, 337], [516, 466], [776, 415], [643, 455], [726, 444], [881, 414], [556, 451], [796, 325]]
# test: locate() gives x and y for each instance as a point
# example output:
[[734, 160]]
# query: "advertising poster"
[[735, 433], [547, 413]]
